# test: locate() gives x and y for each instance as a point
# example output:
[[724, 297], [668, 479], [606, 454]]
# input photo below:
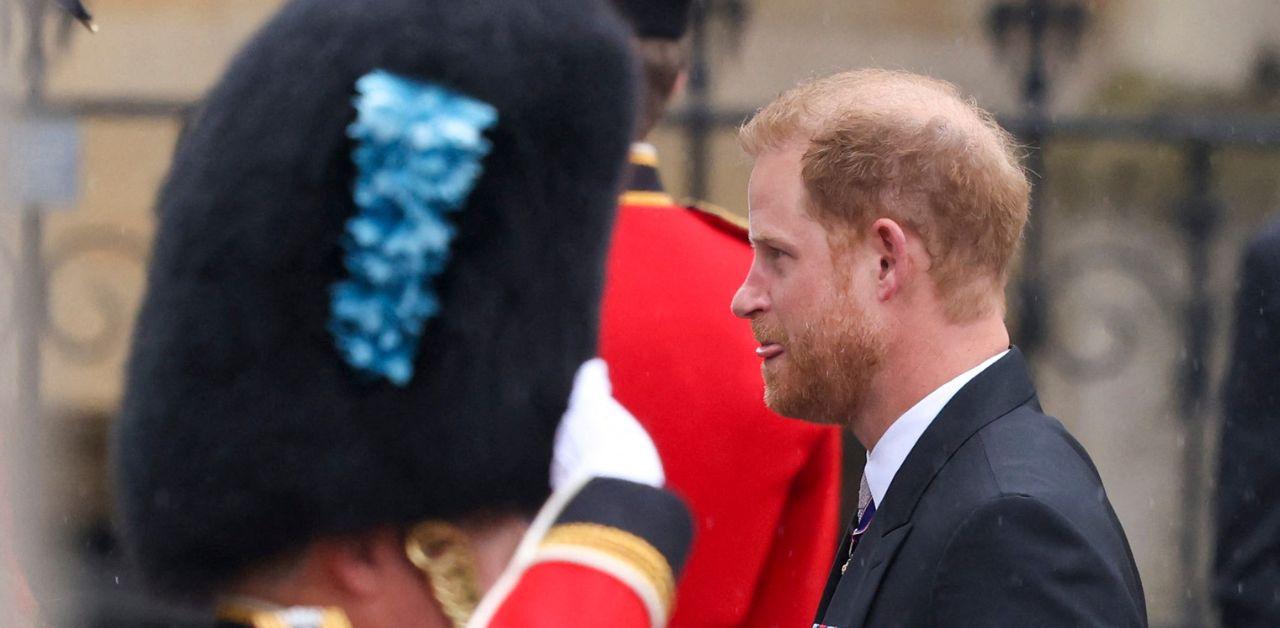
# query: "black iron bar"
[[697, 121], [108, 108], [32, 304], [35, 64], [1238, 131], [30, 313], [1241, 131], [1032, 298], [1198, 217]]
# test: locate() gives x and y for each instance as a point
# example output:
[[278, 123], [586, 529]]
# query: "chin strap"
[[440, 551]]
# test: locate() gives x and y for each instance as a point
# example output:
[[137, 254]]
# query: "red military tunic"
[[605, 554], [764, 490], [601, 552]]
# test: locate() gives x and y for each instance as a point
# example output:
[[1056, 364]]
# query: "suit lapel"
[[996, 391], [870, 562], [1002, 387], [833, 576]]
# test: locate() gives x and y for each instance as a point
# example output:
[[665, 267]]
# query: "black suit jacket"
[[1247, 563], [996, 518]]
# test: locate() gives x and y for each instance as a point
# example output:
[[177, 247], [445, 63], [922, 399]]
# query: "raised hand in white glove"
[[598, 437]]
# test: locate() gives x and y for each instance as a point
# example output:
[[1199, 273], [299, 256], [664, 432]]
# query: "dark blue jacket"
[[996, 518], [1247, 562]]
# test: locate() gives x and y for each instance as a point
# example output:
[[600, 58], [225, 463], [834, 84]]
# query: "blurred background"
[[1152, 127]]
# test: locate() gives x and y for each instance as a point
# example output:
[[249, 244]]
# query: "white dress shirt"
[[886, 458]]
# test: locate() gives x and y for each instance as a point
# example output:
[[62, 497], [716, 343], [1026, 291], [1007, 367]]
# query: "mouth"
[[769, 350]]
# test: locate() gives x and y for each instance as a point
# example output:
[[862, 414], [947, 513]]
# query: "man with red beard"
[[884, 212]]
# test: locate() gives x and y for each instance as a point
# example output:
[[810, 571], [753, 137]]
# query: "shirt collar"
[[888, 455]]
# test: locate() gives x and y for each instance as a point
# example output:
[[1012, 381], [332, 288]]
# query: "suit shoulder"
[[994, 511], [1031, 453], [1050, 570]]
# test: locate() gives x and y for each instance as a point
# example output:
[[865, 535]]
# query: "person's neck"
[[920, 363]]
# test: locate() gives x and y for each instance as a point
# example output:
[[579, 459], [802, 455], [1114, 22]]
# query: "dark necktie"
[[865, 512]]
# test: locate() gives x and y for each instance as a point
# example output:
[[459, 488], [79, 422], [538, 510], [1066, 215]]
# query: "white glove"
[[598, 437]]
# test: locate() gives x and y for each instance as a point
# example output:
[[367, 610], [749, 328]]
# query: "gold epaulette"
[[581, 540], [733, 219], [646, 198]]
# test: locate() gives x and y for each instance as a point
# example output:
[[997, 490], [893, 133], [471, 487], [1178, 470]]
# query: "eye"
[[769, 254]]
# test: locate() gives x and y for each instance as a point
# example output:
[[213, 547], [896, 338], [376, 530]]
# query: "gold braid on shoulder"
[[440, 551]]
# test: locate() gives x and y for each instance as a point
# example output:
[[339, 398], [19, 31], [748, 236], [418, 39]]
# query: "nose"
[[750, 299]]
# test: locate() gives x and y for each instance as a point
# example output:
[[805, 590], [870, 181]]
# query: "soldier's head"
[[662, 44], [377, 266]]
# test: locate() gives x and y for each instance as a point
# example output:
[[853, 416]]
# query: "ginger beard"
[[825, 372]]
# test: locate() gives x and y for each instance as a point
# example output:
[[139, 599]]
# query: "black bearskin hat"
[[245, 431]]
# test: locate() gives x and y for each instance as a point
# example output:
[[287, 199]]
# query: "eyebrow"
[[766, 240], [770, 241]]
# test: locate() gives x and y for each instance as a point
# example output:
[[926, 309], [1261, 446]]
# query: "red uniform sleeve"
[[602, 552], [556, 594]]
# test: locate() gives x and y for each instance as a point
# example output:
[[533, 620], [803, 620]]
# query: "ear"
[[888, 241], [361, 563]]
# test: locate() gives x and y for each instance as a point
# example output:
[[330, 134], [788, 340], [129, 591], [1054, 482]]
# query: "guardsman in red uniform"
[[366, 334], [764, 490]]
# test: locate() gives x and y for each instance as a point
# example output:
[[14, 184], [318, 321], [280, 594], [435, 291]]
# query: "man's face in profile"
[[819, 338]]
